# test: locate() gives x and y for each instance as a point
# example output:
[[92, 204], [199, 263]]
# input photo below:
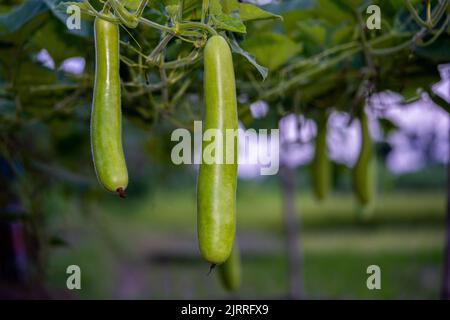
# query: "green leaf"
[[228, 22], [292, 17], [313, 30], [172, 10], [62, 6], [334, 11], [249, 12], [15, 19], [342, 35], [387, 126], [271, 49], [59, 9], [237, 49], [229, 6], [215, 8], [131, 4], [192, 9]]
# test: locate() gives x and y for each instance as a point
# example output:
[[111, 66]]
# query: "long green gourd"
[[106, 138], [216, 187]]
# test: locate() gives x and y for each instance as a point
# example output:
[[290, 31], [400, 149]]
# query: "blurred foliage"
[[312, 54], [147, 246], [319, 54]]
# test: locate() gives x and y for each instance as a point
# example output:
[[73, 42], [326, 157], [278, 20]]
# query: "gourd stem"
[[415, 15], [122, 194], [196, 25]]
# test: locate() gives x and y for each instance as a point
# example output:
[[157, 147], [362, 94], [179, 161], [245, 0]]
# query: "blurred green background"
[[146, 247]]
